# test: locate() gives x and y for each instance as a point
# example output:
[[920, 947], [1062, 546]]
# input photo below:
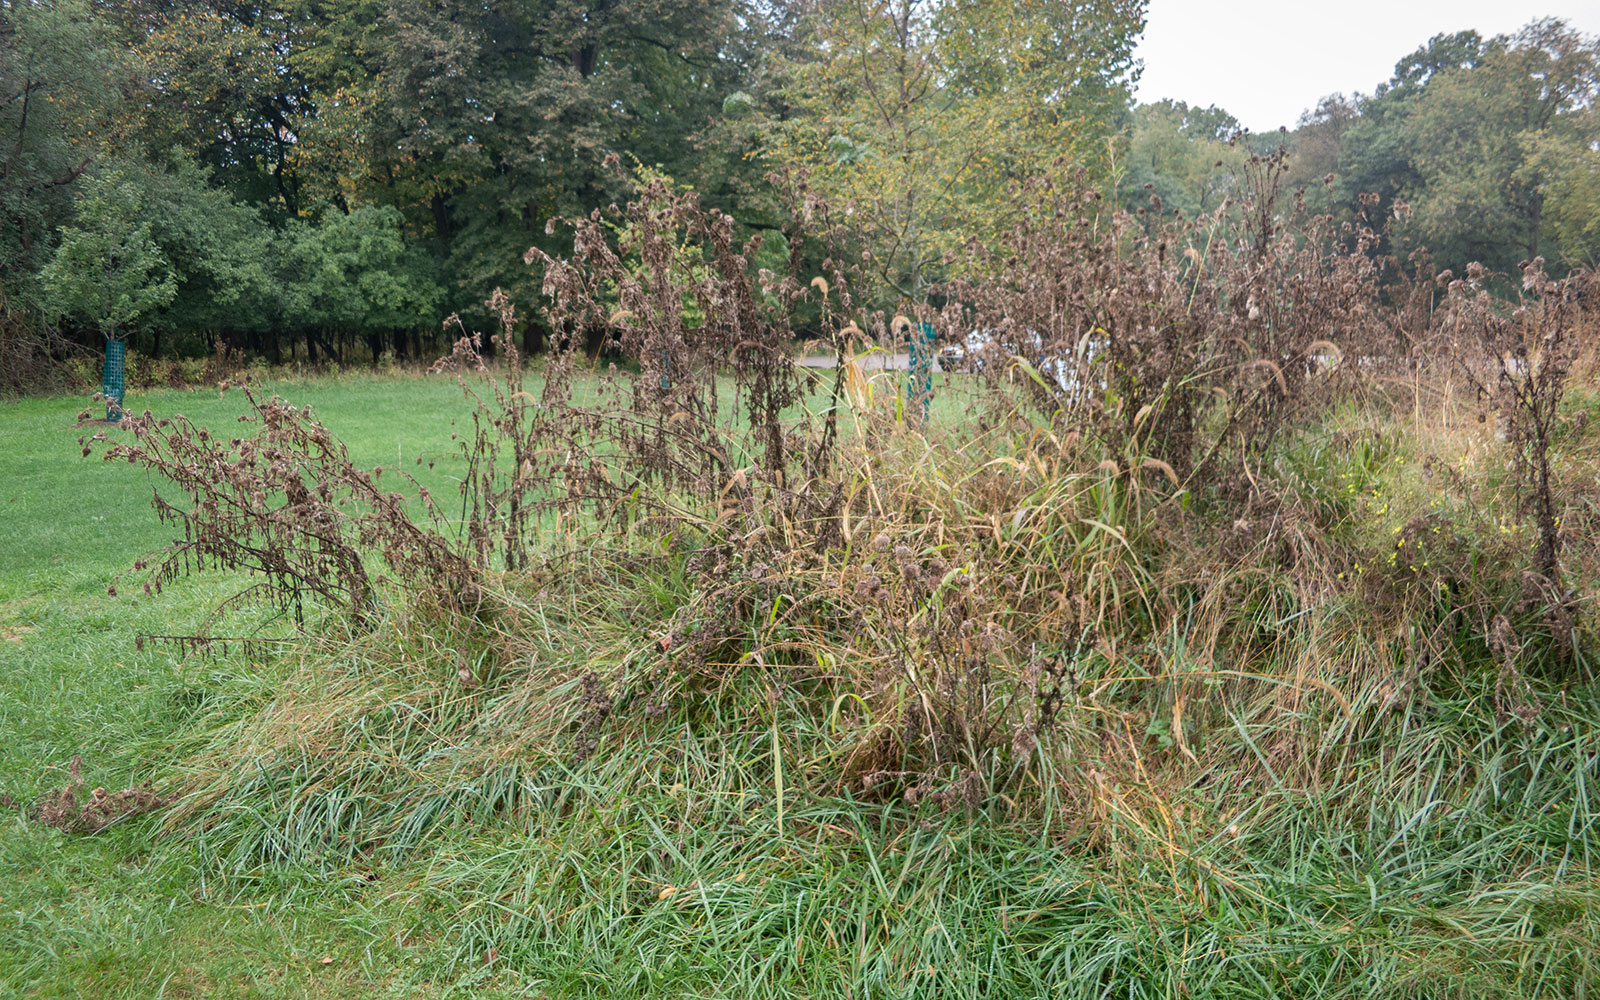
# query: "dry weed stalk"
[[286, 503]]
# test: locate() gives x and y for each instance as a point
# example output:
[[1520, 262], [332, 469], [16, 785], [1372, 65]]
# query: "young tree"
[[215, 245], [108, 271]]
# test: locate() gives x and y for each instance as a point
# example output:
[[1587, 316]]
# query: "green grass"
[[426, 842], [128, 912], [125, 913]]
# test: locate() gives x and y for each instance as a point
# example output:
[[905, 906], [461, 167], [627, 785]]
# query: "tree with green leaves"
[[1182, 153], [216, 246], [1479, 149], [1487, 141], [485, 122], [351, 274], [917, 119], [59, 103], [108, 270]]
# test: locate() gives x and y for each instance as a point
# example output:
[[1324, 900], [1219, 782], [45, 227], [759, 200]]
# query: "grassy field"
[[1403, 847], [124, 913], [127, 912]]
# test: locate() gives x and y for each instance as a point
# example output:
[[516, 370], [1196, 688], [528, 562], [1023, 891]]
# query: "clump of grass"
[[1195, 672]]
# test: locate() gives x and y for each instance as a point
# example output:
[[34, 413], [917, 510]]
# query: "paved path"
[[873, 361]]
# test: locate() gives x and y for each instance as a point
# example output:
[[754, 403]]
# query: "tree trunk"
[[441, 218], [1536, 213]]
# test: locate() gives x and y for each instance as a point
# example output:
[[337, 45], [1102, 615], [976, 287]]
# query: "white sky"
[[1266, 62]]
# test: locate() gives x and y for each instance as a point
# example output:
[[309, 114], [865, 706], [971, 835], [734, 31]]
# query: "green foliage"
[[213, 81], [1182, 154], [59, 104], [914, 120], [353, 271], [1482, 148], [217, 247], [1482, 140], [1571, 174], [108, 270], [485, 124]]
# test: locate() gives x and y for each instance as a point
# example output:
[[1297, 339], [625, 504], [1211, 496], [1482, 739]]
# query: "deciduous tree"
[[916, 118]]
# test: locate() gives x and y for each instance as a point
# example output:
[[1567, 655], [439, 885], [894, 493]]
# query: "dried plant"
[[286, 503], [64, 810], [672, 293], [1518, 359], [1182, 345], [1040, 598]]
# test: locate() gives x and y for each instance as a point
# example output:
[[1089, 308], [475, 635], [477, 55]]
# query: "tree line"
[[330, 178], [1476, 149]]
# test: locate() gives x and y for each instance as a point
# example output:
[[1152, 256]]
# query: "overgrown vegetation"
[[1221, 620], [1221, 644]]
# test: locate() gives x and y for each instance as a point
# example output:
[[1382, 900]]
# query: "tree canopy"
[[322, 177]]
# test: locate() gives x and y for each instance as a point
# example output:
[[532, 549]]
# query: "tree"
[[1184, 155], [1571, 173], [1473, 142], [1316, 146], [222, 81], [59, 99], [108, 270], [1482, 139], [916, 118], [216, 247], [485, 122], [351, 273], [1374, 154]]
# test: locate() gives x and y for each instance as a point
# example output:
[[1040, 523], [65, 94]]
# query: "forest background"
[[328, 179]]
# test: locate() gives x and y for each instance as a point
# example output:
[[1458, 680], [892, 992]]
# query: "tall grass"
[[1229, 667]]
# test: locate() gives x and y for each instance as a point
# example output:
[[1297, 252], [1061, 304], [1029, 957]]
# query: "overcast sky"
[[1266, 62]]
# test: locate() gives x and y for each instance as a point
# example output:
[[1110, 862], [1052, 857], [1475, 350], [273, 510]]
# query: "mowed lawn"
[[125, 912], [72, 524]]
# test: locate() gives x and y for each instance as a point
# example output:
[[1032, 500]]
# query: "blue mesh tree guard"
[[113, 378], [920, 388]]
